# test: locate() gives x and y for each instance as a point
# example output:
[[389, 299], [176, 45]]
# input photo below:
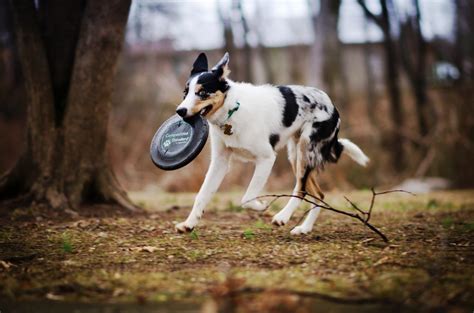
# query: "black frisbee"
[[178, 141]]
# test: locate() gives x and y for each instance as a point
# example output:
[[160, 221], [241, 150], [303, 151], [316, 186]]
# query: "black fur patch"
[[211, 83], [274, 138], [200, 65], [322, 130], [291, 107], [305, 178], [331, 149]]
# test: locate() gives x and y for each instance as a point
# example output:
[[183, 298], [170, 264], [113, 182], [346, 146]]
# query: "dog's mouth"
[[206, 110]]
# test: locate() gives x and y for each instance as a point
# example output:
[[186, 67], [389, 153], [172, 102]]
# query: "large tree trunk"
[[65, 161]]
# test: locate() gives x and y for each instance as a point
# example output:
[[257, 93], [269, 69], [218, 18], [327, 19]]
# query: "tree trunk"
[[229, 45], [413, 53], [65, 162], [264, 53], [370, 83], [326, 51], [392, 77], [247, 51]]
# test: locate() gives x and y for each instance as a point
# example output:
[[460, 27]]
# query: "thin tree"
[[264, 52], [68, 52], [326, 51], [229, 45], [247, 50], [370, 84], [392, 77], [413, 53]]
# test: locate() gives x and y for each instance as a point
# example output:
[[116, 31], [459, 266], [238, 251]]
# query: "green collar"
[[227, 128], [232, 111]]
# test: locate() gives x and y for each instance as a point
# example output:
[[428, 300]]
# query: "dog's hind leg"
[[307, 225], [302, 172]]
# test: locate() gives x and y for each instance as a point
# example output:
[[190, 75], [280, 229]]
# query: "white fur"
[[259, 116], [307, 225], [354, 152]]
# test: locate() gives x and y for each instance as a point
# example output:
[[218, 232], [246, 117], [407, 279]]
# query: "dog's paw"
[[301, 230], [280, 219], [184, 227], [255, 205]]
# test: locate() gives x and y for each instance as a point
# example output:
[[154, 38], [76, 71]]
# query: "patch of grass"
[[275, 207], [142, 204], [233, 207], [248, 234], [262, 225], [432, 204], [469, 226], [436, 204], [66, 243], [447, 222], [194, 235]]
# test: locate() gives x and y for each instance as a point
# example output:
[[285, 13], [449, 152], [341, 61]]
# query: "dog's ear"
[[200, 65], [221, 69]]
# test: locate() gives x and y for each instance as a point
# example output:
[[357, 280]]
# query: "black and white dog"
[[251, 123]]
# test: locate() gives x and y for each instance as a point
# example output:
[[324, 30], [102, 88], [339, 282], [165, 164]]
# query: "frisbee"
[[178, 141]]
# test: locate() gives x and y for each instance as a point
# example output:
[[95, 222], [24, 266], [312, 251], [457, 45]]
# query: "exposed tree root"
[[17, 191], [111, 191]]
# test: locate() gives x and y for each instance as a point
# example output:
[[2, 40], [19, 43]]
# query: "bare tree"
[[413, 55], [392, 77], [68, 52], [247, 50], [327, 48], [370, 85], [265, 53], [464, 54], [229, 45]]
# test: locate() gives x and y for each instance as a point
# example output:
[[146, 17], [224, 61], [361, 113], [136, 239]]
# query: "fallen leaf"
[[52, 296], [381, 261], [6, 265], [150, 249]]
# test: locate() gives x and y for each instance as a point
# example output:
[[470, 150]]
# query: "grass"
[[66, 243], [248, 234], [427, 263], [194, 234]]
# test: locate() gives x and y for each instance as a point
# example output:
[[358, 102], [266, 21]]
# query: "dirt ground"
[[237, 261]]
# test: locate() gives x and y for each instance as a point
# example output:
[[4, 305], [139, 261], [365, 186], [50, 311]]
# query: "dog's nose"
[[182, 112]]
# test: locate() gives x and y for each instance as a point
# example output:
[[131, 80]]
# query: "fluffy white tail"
[[354, 152]]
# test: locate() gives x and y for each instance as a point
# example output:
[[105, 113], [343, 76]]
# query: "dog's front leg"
[[217, 170], [263, 168]]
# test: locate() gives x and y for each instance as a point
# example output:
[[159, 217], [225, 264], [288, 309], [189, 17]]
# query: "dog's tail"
[[354, 152]]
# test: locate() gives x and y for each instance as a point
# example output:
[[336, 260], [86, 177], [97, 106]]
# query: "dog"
[[251, 123]]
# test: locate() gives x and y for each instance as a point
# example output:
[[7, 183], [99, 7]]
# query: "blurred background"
[[399, 71]]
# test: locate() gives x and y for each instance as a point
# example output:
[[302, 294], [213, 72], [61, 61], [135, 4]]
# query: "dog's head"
[[205, 90]]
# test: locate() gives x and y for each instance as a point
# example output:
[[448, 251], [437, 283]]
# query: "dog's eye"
[[202, 93], [185, 92]]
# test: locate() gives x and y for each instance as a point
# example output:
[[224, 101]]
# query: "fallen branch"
[[361, 215]]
